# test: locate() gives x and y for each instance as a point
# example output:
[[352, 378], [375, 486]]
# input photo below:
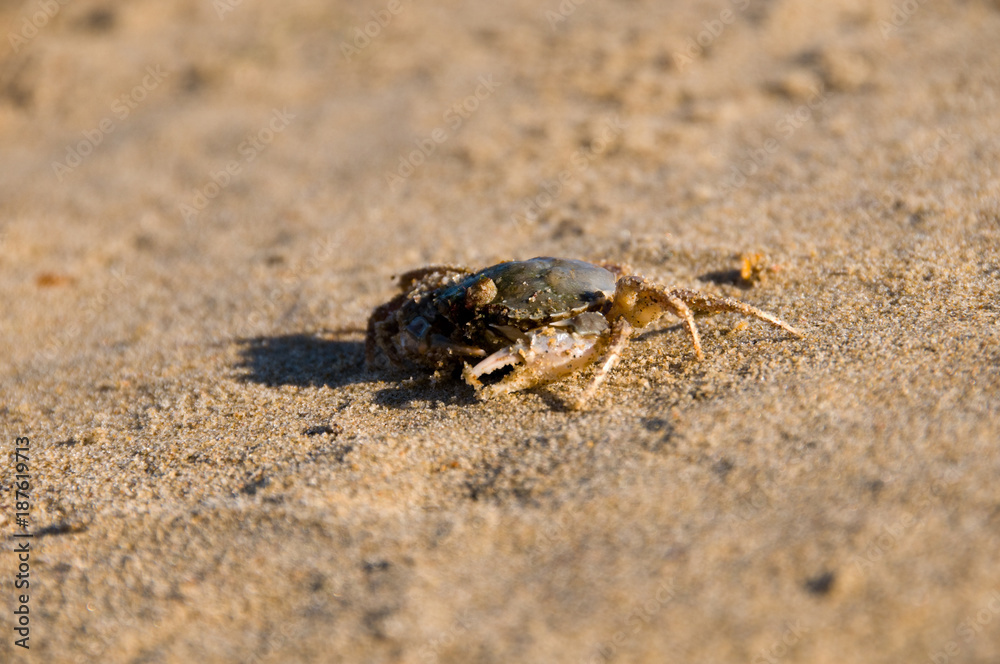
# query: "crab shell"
[[441, 320]]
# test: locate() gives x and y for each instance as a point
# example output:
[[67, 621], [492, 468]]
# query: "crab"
[[544, 318]]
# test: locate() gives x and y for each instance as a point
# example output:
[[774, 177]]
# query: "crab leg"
[[620, 333], [680, 309], [711, 304], [640, 303], [382, 325]]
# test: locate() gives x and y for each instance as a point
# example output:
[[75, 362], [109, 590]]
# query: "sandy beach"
[[201, 204]]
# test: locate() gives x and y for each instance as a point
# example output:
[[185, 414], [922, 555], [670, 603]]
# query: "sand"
[[201, 203]]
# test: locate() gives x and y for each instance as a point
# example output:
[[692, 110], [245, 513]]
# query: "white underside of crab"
[[543, 355]]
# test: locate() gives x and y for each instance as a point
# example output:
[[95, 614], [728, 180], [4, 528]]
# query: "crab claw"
[[543, 355]]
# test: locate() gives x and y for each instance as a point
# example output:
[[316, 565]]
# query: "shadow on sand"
[[304, 360], [726, 278], [312, 361]]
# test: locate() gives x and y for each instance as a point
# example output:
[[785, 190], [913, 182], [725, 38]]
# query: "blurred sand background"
[[218, 478]]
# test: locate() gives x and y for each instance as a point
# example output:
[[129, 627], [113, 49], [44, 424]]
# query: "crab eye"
[[418, 327], [480, 293]]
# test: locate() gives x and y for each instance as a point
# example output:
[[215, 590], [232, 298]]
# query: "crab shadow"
[[406, 395], [303, 360], [306, 360], [726, 278]]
